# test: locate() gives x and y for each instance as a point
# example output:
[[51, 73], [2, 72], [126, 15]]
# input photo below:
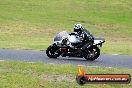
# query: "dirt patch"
[[119, 39], [27, 30], [59, 78], [106, 26], [80, 21]]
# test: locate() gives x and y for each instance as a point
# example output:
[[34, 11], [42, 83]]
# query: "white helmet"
[[78, 28]]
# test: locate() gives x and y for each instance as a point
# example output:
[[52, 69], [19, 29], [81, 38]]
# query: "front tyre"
[[52, 51], [92, 53]]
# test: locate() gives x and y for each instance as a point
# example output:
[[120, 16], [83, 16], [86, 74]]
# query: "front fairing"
[[59, 37]]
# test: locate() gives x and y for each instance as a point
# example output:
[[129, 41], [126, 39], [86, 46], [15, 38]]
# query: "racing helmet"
[[78, 28]]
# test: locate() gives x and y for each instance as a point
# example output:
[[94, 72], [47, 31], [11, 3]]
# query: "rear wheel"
[[52, 51], [92, 53]]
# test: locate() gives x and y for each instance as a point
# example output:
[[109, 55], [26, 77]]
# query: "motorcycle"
[[66, 44]]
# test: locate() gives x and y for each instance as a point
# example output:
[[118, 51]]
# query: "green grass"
[[31, 24], [41, 75]]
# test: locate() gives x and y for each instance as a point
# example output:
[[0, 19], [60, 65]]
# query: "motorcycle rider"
[[86, 38]]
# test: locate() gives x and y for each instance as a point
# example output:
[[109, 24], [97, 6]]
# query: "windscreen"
[[59, 36]]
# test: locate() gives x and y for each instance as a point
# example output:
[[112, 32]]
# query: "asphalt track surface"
[[124, 61]]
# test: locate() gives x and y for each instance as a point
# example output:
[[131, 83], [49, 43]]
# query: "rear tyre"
[[92, 53], [52, 51]]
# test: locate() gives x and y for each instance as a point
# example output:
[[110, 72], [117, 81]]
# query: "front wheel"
[[92, 53], [52, 51]]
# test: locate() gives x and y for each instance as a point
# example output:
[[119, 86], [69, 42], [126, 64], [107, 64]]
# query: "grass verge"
[[42, 75]]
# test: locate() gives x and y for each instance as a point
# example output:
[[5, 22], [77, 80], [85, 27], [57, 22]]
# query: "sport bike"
[[65, 44]]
